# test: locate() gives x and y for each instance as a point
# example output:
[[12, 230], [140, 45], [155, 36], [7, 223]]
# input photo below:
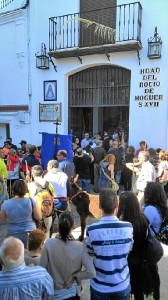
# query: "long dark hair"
[[129, 210], [155, 195], [65, 225]]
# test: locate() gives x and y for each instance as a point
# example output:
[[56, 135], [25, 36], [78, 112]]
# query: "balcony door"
[[100, 11]]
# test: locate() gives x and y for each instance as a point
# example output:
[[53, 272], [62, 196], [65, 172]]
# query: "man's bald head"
[[12, 253]]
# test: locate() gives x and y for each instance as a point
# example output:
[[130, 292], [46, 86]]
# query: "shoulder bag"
[[162, 235], [153, 250], [114, 184]]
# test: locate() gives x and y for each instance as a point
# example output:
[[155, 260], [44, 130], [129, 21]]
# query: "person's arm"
[[82, 144], [149, 212], [133, 167], [111, 169], [44, 259], [88, 271], [122, 140], [150, 174], [160, 170], [36, 210], [51, 188], [48, 287], [69, 188], [89, 247], [14, 159], [2, 216]]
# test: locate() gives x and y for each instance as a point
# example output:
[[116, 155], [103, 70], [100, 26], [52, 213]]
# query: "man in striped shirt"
[[18, 281], [109, 241]]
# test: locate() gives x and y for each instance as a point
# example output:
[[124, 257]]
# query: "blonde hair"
[[162, 155]]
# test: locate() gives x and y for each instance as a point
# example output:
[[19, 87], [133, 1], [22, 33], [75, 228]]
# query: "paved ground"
[[163, 264]]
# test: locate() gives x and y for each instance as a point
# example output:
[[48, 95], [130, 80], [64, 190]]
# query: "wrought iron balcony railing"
[[73, 30]]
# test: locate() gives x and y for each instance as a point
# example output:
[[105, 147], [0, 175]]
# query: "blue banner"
[[51, 145]]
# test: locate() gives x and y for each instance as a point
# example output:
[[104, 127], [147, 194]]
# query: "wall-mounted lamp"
[[42, 59], [154, 46]]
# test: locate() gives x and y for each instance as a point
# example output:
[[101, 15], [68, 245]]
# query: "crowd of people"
[[112, 256]]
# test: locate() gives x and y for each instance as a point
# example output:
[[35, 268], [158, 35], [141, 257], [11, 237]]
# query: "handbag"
[[153, 251], [162, 235], [114, 185]]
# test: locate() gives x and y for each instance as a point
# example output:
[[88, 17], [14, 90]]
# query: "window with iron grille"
[[100, 86]]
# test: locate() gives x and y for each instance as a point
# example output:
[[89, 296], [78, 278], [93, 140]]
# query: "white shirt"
[[147, 174], [59, 181]]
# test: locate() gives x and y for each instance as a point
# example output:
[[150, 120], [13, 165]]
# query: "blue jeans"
[[84, 184], [123, 295], [118, 177], [60, 204], [23, 236]]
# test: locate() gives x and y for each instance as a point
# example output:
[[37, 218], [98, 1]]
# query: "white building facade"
[[96, 84]]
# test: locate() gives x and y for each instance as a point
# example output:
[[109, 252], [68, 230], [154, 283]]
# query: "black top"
[[31, 160], [118, 155], [99, 154], [106, 144], [82, 164]]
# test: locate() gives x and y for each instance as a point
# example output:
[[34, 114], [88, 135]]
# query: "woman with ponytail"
[[64, 259]]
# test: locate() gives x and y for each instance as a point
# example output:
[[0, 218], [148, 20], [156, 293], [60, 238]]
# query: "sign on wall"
[[150, 87], [50, 112]]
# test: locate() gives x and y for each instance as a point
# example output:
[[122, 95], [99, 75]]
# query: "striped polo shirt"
[[110, 241], [26, 283]]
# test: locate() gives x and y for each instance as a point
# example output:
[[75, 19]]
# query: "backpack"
[[164, 177], [45, 199]]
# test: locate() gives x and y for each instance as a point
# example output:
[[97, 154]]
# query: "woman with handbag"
[[18, 211], [129, 210], [106, 171], [155, 209]]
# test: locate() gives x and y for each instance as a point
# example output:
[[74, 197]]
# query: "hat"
[[7, 143], [23, 142]]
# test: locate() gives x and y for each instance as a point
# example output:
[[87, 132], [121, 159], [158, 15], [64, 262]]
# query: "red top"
[[11, 161]]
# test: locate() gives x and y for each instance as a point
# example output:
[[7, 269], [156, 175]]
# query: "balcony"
[[71, 35]]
